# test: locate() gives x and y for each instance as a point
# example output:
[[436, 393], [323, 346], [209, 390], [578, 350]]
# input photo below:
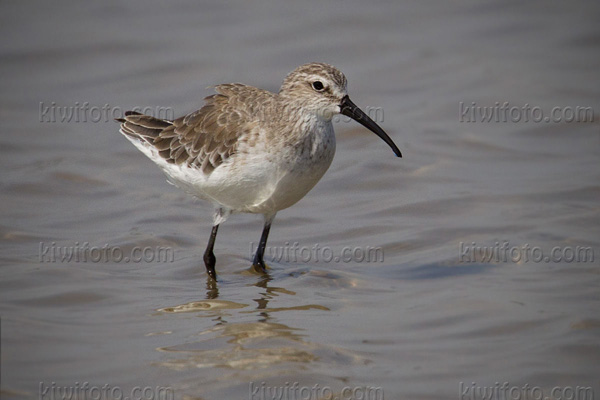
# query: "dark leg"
[[259, 262], [209, 257]]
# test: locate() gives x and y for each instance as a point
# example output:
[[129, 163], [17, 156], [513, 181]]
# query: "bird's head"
[[321, 89]]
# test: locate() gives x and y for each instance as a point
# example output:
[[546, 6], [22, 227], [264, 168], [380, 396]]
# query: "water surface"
[[422, 323]]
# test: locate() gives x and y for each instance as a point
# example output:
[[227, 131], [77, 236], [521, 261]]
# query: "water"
[[434, 319]]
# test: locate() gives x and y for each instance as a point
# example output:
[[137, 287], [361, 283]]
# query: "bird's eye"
[[318, 86]]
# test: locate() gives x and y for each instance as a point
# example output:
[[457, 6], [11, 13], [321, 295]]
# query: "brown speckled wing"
[[207, 137]]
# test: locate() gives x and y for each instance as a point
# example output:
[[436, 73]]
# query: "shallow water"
[[428, 319]]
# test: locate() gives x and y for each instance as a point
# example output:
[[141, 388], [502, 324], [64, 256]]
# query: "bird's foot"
[[259, 266]]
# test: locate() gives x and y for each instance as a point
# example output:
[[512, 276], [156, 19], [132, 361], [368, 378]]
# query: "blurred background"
[[495, 106]]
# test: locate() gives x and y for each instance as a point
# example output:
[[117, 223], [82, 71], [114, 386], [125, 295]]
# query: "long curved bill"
[[348, 108]]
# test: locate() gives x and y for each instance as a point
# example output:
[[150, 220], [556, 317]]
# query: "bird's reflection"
[[212, 289], [233, 340], [241, 330], [263, 279], [263, 300]]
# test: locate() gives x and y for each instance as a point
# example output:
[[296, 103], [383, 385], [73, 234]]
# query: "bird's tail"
[[142, 127]]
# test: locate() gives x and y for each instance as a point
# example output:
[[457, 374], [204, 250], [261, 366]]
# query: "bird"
[[249, 150]]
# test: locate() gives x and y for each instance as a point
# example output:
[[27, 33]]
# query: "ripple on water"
[[205, 305], [254, 345]]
